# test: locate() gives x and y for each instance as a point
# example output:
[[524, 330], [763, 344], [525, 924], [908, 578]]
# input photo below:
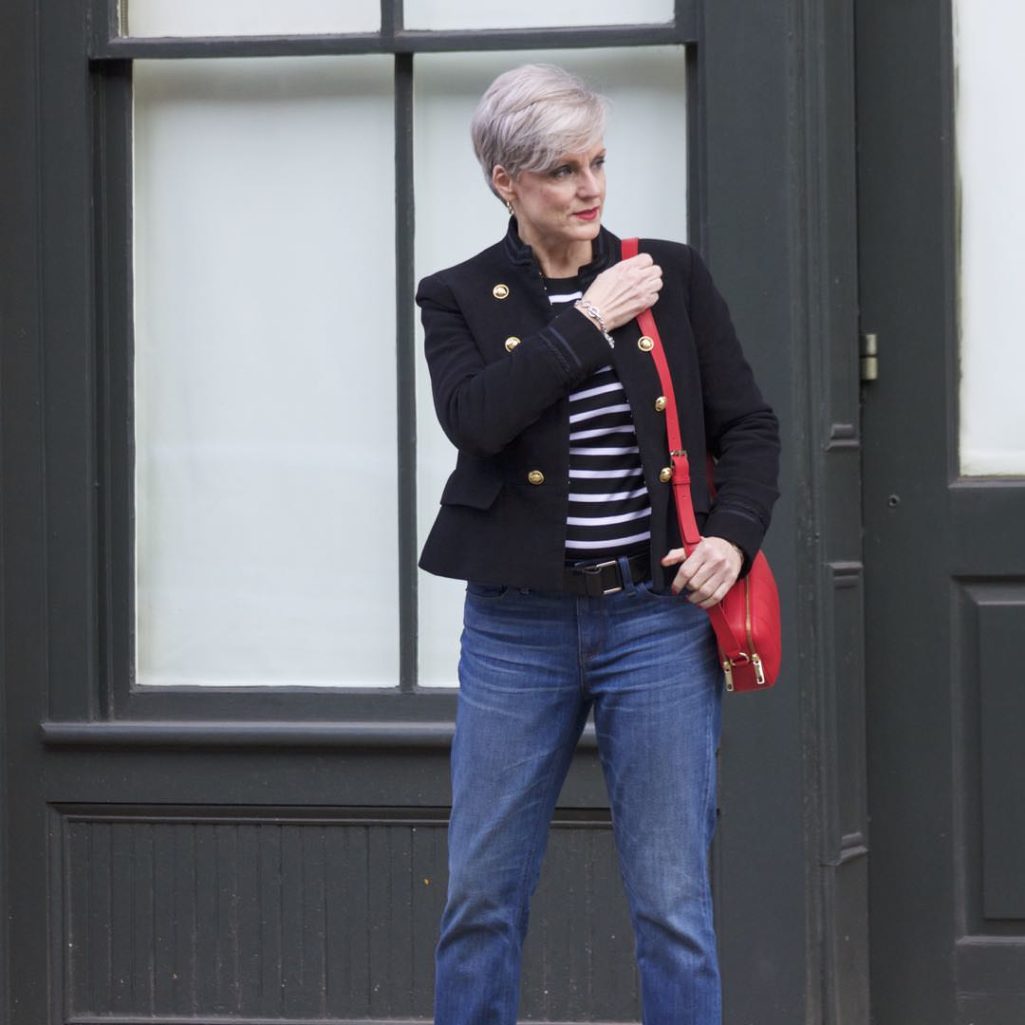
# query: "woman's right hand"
[[625, 289]]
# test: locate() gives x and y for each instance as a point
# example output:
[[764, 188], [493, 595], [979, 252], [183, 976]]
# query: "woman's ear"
[[503, 183]]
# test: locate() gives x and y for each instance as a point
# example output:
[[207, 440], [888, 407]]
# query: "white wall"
[[246, 18], [991, 161], [467, 14]]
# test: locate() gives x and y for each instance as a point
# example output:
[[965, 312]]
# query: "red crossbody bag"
[[746, 622]]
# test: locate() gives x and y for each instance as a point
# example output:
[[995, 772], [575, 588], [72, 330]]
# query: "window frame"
[[111, 707]]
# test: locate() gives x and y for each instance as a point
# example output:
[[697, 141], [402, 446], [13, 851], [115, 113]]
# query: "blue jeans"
[[532, 666]]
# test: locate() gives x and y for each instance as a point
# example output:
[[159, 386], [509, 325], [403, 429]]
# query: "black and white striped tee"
[[609, 510]]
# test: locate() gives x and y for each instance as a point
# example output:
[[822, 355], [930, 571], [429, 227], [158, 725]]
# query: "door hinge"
[[869, 357]]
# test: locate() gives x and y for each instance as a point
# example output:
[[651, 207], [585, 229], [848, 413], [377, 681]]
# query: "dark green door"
[[945, 570]]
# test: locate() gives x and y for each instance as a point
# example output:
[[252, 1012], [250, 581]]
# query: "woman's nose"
[[589, 184]]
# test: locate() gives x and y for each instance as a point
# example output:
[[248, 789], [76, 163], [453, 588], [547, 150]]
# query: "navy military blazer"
[[502, 363]]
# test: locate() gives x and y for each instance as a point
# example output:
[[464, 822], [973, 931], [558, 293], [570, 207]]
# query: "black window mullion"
[[112, 177], [391, 19], [158, 48], [398, 40], [697, 207], [686, 18], [405, 369], [576, 38]]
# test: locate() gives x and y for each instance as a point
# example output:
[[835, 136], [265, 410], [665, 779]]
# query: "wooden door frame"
[[908, 272]]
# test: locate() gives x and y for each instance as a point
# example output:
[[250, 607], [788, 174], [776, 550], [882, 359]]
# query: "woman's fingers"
[[673, 557], [707, 573], [625, 289]]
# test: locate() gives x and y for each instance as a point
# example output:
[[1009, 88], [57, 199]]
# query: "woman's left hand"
[[708, 572]]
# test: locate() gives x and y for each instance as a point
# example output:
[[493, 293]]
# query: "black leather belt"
[[604, 577]]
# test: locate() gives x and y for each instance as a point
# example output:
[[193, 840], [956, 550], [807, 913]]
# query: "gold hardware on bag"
[[756, 661]]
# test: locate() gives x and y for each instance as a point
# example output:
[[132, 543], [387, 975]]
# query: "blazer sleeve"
[[482, 406], [740, 427]]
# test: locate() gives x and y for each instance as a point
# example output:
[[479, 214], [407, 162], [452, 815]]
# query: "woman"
[[559, 515]]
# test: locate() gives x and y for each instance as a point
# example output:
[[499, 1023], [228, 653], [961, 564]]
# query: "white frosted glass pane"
[[249, 17], [446, 14], [265, 372], [991, 155], [647, 196]]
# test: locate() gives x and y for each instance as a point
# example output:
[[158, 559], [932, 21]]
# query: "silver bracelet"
[[589, 309]]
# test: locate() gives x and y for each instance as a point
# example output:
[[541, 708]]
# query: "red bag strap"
[[689, 533]]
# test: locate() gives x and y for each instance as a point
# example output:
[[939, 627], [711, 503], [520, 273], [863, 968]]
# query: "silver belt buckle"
[[596, 569]]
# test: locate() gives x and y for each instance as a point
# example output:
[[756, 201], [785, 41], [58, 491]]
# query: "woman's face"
[[562, 205]]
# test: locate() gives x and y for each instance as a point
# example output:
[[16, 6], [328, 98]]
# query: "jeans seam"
[[581, 657], [710, 748]]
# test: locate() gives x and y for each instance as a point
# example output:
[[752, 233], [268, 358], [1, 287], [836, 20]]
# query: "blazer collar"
[[604, 252]]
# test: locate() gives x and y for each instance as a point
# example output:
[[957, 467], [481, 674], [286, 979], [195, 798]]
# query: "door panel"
[[945, 572], [307, 914]]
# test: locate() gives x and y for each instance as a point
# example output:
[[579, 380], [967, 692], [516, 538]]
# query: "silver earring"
[[508, 207]]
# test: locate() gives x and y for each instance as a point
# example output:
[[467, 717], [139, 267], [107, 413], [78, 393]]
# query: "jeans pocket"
[[487, 591]]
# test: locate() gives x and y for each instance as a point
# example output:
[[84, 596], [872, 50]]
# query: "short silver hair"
[[530, 116]]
